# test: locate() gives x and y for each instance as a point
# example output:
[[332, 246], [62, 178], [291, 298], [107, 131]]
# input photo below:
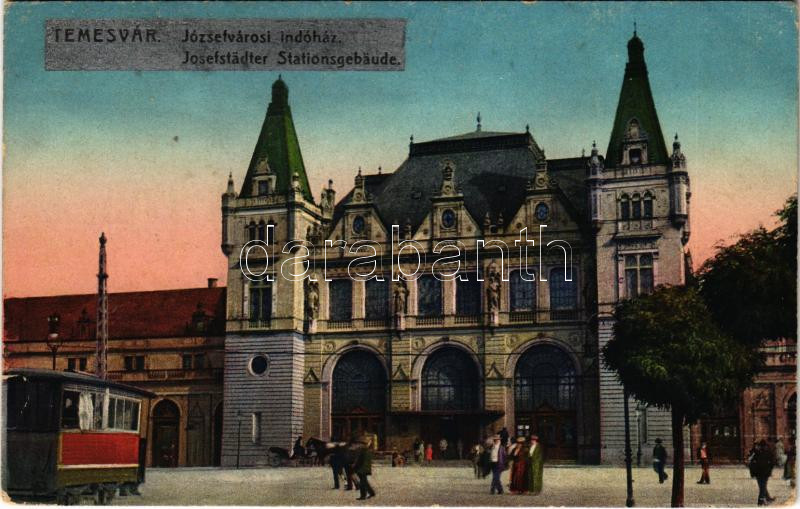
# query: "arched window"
[[563, 293], [261, 228], [648, 205], [625, 207], [637, 206], [251, 231], [449, 381], [545, 376], [359, 384], [523, 293]]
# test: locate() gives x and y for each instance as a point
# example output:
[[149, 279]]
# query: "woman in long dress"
[[519, 468], [536, 466]]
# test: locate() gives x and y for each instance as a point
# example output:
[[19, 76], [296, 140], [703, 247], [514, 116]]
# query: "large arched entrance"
[[166, 419], [359, 396], [545, 400], [450, 400]]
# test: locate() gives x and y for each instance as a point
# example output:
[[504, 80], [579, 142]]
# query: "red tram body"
[[72, 434]]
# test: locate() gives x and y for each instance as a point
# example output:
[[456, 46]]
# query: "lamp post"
[[629, 502], [53, 340]]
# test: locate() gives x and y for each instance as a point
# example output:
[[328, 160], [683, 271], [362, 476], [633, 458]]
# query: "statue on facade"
[[400, 293], [493, 289], [312, 299]]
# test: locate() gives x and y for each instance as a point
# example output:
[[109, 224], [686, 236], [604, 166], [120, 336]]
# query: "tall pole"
[[629, 502], [102, 312]]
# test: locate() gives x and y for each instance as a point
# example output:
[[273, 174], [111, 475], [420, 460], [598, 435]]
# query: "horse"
[[318, 450]]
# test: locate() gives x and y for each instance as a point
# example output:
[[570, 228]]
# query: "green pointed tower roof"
[[636, 101], [278, 145]]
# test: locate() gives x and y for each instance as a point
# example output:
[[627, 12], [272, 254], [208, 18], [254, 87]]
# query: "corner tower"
[[640, 195], [265, 343]]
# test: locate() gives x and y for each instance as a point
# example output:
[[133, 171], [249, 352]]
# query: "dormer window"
[[635, 155], [263, 187]]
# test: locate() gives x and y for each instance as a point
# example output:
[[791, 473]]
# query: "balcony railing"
[[339, 324], [259, 324], [522, 317], [429, 320], [465, 319], [377, 322]]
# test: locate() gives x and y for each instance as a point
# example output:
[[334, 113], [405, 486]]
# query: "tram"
[[69, 435]]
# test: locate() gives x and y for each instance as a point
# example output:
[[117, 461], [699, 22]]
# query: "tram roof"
[[71, 376]]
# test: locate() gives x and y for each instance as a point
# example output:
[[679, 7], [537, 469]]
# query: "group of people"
[[423, 453], [523, 458], [353, 462], [761, 460]]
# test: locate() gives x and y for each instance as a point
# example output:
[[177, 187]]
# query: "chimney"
[[212, 282]]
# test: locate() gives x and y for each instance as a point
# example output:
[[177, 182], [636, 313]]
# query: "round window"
[[258, 365], [358, 224], [448, 218]]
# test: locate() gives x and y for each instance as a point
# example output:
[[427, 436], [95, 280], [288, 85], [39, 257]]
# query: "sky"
[[144, 156]]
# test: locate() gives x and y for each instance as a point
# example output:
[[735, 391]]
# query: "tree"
[[751, 286], [668, 352]]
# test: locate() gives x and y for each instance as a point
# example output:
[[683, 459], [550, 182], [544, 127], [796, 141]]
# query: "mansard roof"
[[278, 145], [492, 170], [155, 314], [636, 101]]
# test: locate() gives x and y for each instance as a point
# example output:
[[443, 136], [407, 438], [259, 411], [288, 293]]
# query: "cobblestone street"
[[445, 486]]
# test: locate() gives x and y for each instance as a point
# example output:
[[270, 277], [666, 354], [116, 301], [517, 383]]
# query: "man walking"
[[761, 467], [337, 462], [497, 459], [702, 455], [349, 458], [363, 469], [660, 461]]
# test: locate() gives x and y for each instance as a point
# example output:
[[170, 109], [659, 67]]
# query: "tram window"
[[123, 414], [31, 405], [90, 411], [69, 409]]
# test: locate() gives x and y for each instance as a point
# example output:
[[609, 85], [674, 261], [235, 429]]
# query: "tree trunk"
[[677, 455]]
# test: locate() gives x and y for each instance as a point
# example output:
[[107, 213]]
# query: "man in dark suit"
[[761, 467], [497, 458], [349, 458], [337, 462], [363, 469], [702, 455], [660, 461]]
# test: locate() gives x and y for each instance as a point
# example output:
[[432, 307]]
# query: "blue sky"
[[724, 75]]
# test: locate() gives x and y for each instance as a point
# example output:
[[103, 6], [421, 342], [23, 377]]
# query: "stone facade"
[[416, 358]]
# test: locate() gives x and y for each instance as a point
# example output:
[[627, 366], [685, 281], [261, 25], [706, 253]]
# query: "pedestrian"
[[780, 454], [417, 457], [535, 466], [460, 449], [789, 466], [421, 452], [702, 455], [443, 447], [429, 454], [298, 451], [504, 437], [660, 461], [519, 469], [337, 462], [363, 469], [477, 454], [498, 462], [350, 454], [761, 466]]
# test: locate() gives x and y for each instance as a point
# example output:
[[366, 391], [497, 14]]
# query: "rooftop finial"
[[634, 28], [379, 170], [479, 121], [527, 128], [359, 171]]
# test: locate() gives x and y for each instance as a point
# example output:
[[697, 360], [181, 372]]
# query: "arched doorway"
[[359, 396], [450, 400], [218, 436], [196, 439], [545, 400], [166, 419]]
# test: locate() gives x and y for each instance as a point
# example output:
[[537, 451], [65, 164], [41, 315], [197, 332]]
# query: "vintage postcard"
[[400, 254]]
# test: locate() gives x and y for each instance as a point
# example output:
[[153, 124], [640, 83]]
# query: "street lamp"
[[629, 502], [53, 340]]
